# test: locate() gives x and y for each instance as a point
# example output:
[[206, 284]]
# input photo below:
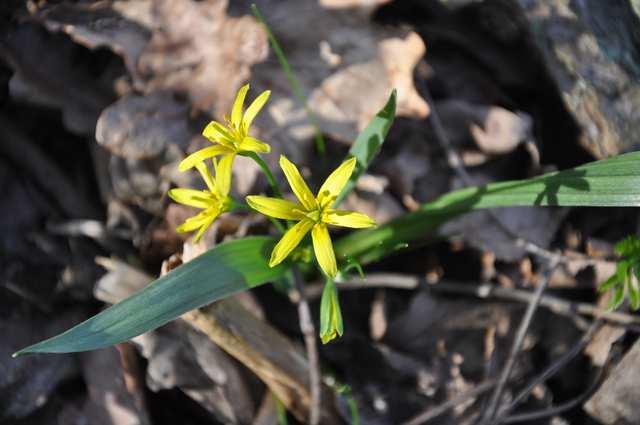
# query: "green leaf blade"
[[369, 142], [228, 268], [612, 182]]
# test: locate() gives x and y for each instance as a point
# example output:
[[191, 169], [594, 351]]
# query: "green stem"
[[295, 84], [272, 183], [237, 205], [267, 172]]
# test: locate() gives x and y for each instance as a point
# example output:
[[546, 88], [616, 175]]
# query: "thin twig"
[[455, 162], [556, 410], [308, 331], [517, 343], [436, 411], [550, 371], [551, 258], [557, 305]]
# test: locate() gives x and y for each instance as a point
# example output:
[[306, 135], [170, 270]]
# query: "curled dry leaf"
[[339, 98], [502, 131], [615, 401], [346, 65], [110, 402], [141, 127], [51, 73], [143, 134], [196, 48], [96, 25]]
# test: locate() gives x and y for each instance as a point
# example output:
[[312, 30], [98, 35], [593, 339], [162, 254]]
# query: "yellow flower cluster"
[[312, 213]]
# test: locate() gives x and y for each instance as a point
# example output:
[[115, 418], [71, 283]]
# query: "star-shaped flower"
[[232, 138], [312, 213], [213, 201]]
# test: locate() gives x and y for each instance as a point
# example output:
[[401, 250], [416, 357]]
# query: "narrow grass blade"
[[293, 81], [226, 269], [613, 182], [369, 142]]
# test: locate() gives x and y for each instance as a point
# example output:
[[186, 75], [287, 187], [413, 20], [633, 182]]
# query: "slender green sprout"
[[281, 411], [295, 83]]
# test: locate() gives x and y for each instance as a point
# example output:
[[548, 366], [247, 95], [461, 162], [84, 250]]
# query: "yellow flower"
[[312, 214], [213, 201], [233, 138]]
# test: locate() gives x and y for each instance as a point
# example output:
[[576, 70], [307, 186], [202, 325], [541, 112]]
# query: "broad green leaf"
[[224, 270], [613, 182], [369, 142]]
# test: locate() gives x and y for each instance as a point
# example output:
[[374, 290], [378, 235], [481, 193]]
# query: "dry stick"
[[557, 305], [455, 162], [253, 342], [308, 331], [556, 410], [440, 409], [517, 343], [551, 370], [552, 258], [450, 404], [570, 309]]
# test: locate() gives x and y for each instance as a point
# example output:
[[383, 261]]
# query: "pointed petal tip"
[[273, 262], [184, 165]]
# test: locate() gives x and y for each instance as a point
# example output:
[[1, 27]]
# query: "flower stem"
[[272, 183], [236, 205], [267, 172]]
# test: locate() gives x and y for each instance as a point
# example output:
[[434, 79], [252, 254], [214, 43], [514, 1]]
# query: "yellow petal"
[[201, 155], [224, 169], [254, 145], [352, 219], [204, 227], [324, 250], [206, 175], [193, 223], [191, 197], [236, 112], [289, 241], [297, 184], [202, 219], [335, 182], [217, 133], [254, 108], [273, 207]]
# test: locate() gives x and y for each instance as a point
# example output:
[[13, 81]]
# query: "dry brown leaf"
[[97, 25], [356, 92], [503, 131], [137, 127], [199, 50], [347, 67]]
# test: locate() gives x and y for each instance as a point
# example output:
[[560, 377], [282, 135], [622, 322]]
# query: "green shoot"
[[295, 83], [625, 279]]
